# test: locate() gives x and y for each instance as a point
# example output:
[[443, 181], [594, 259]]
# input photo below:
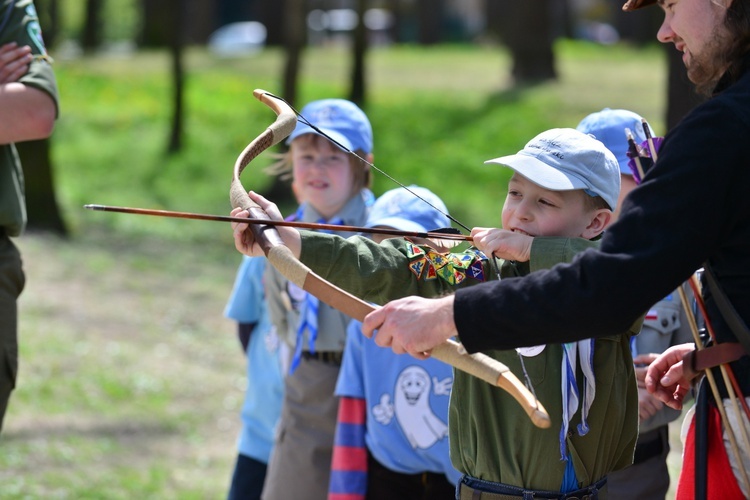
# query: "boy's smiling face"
[[533, 210], [322, 174]]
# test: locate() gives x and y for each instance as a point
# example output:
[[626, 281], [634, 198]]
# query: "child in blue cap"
[[334, 188], [560, 199], [392, 431]]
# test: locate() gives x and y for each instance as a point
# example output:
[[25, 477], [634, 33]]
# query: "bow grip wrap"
[[479, 365]]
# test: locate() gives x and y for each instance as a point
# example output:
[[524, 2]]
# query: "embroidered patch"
[[461, 260], [458, 276], [414, 251], [430, 274], [446, 273], [476, 271], [417, 266], [437, 260], [477, 253]]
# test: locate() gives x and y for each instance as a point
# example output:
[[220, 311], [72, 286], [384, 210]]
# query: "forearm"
[[26, 113]]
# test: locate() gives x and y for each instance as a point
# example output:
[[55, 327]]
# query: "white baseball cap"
[[563, 159]]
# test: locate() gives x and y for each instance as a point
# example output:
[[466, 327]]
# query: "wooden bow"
[[451, 352]]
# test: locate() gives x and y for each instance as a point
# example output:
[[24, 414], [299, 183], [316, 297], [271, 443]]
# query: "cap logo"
[[326, 114], [548, 146]]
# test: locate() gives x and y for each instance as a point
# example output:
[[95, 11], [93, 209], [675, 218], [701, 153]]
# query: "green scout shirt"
[[491, 437], [21, 26]]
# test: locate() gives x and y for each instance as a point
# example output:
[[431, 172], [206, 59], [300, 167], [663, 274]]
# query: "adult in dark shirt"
[[692, 209]]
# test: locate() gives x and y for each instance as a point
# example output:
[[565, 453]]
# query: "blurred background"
[[131, 380]]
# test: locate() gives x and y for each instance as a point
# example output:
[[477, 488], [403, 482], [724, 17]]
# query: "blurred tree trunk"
[[430, 14], [295, 35], [526, 29], [681, 95], [41, 203], [358, 90], [200, 20], [272, 13], [176, 32], [91, 38], [395, 31]]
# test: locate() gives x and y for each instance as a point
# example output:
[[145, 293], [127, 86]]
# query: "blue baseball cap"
[[562, 159], [343, 120], [400, 209], [608, 125]]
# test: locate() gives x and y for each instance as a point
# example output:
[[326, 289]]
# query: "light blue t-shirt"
[[265, 384], [407, 405]]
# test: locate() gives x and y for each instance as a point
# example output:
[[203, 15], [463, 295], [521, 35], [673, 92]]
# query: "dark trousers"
[[247, 480], [11, 284], [385, 484]]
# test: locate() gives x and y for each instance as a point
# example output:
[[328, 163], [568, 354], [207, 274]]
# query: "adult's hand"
[[412, 325], [666, 378]]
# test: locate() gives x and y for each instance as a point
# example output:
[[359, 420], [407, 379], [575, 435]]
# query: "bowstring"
[[493, 260], [380, 171]]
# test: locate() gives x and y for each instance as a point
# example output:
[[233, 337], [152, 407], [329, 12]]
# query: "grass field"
[[131, 380]]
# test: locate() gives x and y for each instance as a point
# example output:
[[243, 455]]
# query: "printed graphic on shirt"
[[411, 407]]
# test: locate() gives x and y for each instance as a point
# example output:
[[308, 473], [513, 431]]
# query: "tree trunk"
[[91, 38], [272, 14], [295, 35], [41, 203], [681, 95], [395, 30], [430, 14], [176, 35], [527, 32], [200, 20], [358, 89]]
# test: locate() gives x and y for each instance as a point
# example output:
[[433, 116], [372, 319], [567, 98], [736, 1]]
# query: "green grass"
[[131, 380]]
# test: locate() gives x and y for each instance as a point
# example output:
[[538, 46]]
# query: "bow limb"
[[451, 352]]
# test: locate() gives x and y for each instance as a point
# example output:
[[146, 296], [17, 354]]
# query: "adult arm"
[[688, 209]]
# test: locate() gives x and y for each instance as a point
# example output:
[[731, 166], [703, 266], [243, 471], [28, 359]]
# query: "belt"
[[717, 354], [507, 492], [328, 357], [652, 448]]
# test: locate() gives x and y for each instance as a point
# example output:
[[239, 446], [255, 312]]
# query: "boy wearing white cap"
[[560, 197], [392, 431], [664, 325]]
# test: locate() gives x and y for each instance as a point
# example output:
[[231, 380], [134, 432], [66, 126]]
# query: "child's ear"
[[600, 220]]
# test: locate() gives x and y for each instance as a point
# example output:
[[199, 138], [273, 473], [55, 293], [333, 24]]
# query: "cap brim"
[[632, 5], [539, 172], [302, 129]]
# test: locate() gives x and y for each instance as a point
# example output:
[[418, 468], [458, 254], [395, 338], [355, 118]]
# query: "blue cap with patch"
[[400, 209], [608, 125], [342, 120]]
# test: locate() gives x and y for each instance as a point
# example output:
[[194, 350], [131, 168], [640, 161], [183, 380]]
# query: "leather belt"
[[715, 355]]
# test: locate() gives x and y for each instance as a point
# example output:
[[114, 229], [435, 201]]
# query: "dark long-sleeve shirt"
[[693, 206]]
